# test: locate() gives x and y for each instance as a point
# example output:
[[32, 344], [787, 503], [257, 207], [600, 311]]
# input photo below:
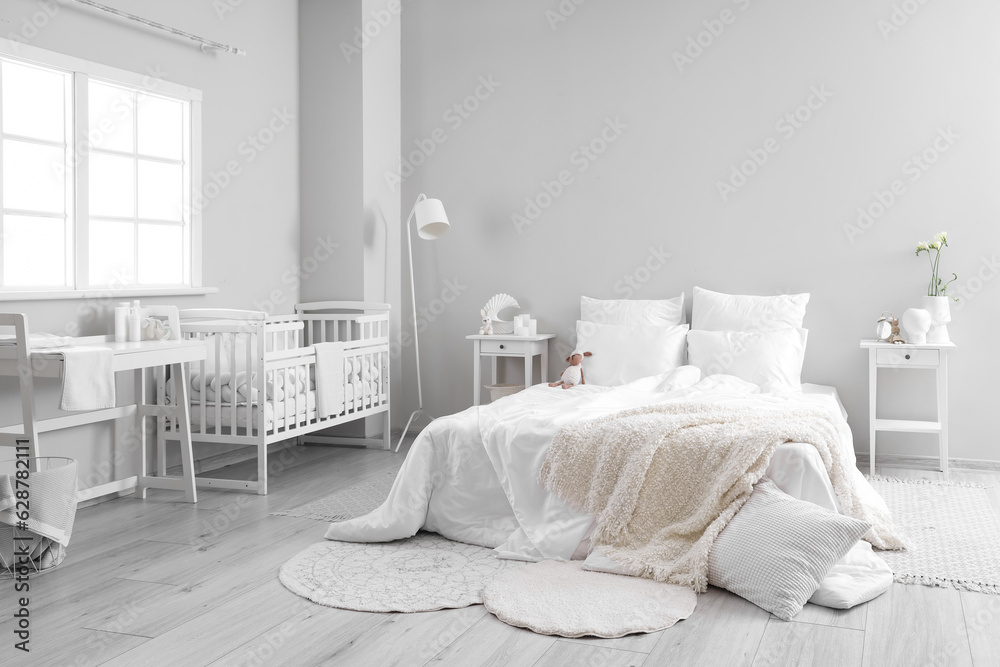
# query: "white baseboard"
[[926, 462]]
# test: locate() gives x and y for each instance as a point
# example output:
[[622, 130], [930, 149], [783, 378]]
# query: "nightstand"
[[496, 346], [930, 357]]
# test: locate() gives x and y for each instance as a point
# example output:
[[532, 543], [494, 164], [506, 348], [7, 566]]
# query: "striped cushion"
[[776, 550]]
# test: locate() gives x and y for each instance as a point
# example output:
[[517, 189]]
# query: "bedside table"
[[931, 357], [508, 346]]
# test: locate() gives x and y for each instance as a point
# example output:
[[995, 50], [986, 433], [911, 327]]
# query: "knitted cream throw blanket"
[[663, 481]]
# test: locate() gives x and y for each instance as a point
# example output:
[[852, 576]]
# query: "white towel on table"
[[329, 378], [88, 378], [40, 341]]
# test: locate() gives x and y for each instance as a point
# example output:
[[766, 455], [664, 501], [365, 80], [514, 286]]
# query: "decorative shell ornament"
[[492, 324]]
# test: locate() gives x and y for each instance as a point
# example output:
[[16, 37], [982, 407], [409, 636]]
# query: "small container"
[[135, 323], [121, 322]]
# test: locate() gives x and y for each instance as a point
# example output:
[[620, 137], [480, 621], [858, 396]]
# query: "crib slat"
[[202, 393], [218, 397], [233, 385], [250, 383]]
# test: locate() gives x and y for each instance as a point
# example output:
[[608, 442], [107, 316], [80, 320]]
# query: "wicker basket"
[[501, 390]]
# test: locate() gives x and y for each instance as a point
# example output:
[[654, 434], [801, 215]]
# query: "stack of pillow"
[[759, 339], [631, 339]]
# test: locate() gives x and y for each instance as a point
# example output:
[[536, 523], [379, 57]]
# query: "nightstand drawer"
[[513, 347], [907, 357]]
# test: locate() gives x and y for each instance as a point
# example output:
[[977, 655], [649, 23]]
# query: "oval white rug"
[[560, 598], [424, 573]]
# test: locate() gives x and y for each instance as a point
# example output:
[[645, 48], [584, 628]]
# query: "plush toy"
[[574, 373]]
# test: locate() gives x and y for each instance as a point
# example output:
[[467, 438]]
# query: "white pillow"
[[714, 311], [777, 550], [633, 311], [858, 577], [771, 360], [623, 352]]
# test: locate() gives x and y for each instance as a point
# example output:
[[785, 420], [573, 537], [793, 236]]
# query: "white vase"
[[940, 309]]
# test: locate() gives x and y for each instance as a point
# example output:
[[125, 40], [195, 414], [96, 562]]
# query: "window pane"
[[34, 177], [161, 249], [112, 253], [160, 191], [34, 102], [111, 117], [161, 127], [112, 185], [34, 251]]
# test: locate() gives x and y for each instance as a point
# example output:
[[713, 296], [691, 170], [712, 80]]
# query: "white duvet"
[[472, 476]]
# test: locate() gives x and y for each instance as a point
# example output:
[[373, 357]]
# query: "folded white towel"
[[40, 341], [329, 378], [88, 378]]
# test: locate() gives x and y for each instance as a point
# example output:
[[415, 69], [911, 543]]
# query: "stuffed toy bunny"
[[574, 373]]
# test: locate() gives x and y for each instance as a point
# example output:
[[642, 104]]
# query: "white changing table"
[[134, 357]]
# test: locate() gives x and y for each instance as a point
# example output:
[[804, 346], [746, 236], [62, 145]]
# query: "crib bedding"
[[279, 384], [275, 412], [472, 476]]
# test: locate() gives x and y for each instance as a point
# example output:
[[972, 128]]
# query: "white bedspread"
[[473, 476]]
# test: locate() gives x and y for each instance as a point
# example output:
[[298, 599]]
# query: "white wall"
[[350, 92], [251, 229], [560, 81], [332, 186]]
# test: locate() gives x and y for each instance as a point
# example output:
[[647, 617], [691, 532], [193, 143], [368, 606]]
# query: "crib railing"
[[271, 366]]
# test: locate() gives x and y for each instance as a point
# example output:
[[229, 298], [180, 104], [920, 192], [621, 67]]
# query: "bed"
[[475, 476]]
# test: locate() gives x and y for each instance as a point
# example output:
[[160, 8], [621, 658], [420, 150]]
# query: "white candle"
[[520, 331], [522, 319], [532, 327]]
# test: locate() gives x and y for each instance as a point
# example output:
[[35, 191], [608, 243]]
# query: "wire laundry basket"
[[37, 513]]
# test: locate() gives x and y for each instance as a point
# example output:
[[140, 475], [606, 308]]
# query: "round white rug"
[[424, 573], [560, 598]]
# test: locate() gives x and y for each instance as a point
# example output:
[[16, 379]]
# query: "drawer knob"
[[502, 347], [907, 356]]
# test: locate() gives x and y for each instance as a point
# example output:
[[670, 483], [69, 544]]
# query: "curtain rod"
[[153, 24]]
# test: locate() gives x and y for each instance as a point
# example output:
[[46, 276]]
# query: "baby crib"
[[258, 384]]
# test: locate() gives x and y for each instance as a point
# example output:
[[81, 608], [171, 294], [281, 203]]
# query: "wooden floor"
[[161, 582]]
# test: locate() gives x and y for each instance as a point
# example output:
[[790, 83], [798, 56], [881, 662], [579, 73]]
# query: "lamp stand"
[[416, 335]]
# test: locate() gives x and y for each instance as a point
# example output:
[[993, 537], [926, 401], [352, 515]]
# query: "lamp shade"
[[432, 221]]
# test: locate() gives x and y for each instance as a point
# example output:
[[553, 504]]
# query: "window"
[[98, 166]]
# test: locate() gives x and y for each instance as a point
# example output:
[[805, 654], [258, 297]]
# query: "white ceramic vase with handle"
[[940, 309]]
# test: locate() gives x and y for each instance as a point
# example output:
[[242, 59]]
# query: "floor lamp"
[[432, 223]]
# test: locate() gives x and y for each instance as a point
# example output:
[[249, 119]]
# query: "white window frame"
[[81, 71]]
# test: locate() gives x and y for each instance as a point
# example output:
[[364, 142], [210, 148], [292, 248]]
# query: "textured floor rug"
[[952, 530], [356, 500], [424, 573], [563, 599]]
